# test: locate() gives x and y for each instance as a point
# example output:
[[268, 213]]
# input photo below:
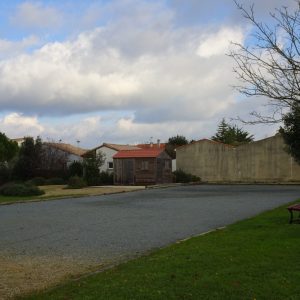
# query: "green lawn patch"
[[253, 259], [12, 199]]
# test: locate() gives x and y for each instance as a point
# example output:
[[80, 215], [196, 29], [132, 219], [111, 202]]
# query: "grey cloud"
[[35, 15]]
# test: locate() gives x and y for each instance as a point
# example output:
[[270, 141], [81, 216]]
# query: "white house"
[[109, 150]]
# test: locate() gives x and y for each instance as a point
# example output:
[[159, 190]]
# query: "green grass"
[[253, 259], [12, 199]]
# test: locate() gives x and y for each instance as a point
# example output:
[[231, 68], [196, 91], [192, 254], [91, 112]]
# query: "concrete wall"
[[261, 161]]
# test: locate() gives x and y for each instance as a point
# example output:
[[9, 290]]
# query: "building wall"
[[109, 153], [143, 171], [261, 161]]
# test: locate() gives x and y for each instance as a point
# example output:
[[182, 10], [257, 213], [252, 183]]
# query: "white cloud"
[[169, 79], [17, 125], [36, 15], [218, 43], [93, 73], [12, 48]]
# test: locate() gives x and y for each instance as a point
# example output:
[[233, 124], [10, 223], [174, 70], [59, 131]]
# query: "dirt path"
[[23, 274]]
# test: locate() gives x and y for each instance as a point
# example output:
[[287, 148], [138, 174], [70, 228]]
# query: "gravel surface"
[[98, 229], [104, 226]]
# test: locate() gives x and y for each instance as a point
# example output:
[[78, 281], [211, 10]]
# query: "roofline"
[[55, 145], [158, 152], [227, 145], [206, 140]]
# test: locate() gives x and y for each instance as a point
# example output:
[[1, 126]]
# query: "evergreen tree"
[[231, 134], [174, 142], [29, 159], [291, 131], [8, 148]]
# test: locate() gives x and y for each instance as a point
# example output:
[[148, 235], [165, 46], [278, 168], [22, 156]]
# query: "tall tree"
[[8, 148], [231, 134], [29, 159], [91, 167], [173, 142], [291, 132], [269, 66]]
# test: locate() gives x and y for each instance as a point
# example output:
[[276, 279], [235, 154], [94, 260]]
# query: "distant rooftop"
[[68, 148]]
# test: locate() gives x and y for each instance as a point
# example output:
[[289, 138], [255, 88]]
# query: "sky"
[[123, 71]]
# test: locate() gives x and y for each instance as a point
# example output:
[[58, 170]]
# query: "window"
[[110, 165], [145, 165]]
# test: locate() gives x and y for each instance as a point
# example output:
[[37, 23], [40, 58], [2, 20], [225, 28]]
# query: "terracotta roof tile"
[[142, 153]]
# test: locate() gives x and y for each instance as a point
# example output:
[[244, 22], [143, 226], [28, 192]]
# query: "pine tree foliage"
[[291, 132], [231, 134], [8, 148]]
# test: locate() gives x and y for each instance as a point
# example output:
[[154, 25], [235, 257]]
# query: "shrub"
[[76, 182], [37, 181], [75, 169], [55, 181], [4, 173], [17, 189], [103, 178], [107, 178], [182, 177]]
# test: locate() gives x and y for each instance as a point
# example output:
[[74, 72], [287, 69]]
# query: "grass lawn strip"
[[253, 259], [59, 191]]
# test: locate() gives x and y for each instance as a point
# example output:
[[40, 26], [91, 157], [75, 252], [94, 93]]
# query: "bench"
[[291, 209]]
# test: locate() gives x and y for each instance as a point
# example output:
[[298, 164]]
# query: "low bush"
[[37, 181], [103, 178], [76, 182], [55, 181], [18, 189], [106, 178], [182, 177], [75, 169], [4, 174]]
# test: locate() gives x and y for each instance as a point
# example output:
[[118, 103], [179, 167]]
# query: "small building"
[[109, 150], [142, 167]]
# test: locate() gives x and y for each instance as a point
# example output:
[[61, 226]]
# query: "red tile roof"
[[142, 153]]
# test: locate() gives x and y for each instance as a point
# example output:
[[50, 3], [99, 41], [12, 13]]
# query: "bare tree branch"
[[271, 66]]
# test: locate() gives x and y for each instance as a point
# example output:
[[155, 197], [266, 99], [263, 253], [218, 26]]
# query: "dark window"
[[110, 165]]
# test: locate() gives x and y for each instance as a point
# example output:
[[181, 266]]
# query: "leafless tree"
[[270, 65]]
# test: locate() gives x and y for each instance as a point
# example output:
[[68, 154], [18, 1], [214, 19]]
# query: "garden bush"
[[182, 177], [103, 178], [76, 182], [4, 174], [75, 169], [18, 189], [37, 181], [106, 178], [55, 181]]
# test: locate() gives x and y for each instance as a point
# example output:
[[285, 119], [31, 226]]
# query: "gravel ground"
[[96, 230]]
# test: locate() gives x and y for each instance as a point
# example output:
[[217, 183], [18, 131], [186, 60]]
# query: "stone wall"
[[260, 161]]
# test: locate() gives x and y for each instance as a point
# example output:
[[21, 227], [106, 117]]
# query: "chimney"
[[158, 143]]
